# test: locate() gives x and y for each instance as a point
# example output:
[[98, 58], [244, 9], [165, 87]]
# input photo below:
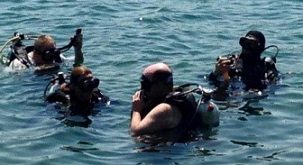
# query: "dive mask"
[[250, 42], [145, 83], [50, 54], [88, 83]]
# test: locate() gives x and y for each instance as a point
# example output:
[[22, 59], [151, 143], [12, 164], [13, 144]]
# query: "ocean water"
[[121, 37]]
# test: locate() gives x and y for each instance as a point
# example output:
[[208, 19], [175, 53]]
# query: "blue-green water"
[[123, 36]]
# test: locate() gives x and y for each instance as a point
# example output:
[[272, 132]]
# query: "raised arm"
[[77, 44]]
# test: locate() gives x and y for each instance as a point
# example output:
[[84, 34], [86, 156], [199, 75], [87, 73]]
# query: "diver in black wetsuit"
[[255, 72]]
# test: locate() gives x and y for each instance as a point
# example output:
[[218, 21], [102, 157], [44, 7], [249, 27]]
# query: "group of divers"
[[158, 107]]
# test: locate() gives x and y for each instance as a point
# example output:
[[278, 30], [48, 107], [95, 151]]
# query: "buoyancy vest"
[[255, 76], [186, 104], [64, 99]]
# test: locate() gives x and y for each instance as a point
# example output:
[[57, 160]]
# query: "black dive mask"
[[250, 44], [145, 83], [166, 78], [88, 83], [52, 54]]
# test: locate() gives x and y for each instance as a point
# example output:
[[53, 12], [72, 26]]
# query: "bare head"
[[82, 85], [157, 80], [44, 43], [79, 72], [157, 71], [44, 50]]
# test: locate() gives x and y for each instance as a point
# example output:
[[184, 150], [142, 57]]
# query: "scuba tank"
[[272, 72], [57, 82], [53, 92], [209, 111], [17, 49]]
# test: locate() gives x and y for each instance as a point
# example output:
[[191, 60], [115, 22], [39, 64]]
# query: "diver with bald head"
[[152, 110]]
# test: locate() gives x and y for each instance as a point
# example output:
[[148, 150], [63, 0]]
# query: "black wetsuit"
[[187, 106], [63, 98], [255, 75]]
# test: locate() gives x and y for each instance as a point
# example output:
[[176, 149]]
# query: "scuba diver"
[[79, 91], [42, 56], [160, 108], [254, 72]]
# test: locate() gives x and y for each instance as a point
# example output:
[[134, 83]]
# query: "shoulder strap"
[[20, 53], [182, 90]]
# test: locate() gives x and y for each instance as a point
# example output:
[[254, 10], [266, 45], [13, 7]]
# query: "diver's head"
[[82, 84], [253, 44], [45, 51], [156, 81]]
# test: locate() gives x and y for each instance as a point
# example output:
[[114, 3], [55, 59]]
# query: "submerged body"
[[80, 93], [160, 109], [246, 71]]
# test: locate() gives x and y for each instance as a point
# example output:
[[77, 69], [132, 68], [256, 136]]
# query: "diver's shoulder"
[[17, 65]]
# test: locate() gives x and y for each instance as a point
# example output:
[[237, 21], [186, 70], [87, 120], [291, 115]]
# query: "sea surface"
[[121, 37]]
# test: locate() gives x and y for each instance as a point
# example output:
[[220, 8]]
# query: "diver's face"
[[250, 48], [247, 53], [84, 87], [150, 89], [146, 87], [249, 43], [249, 56], [250, 53]]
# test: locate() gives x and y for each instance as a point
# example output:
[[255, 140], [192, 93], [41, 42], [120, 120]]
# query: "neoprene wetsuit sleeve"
[[57, 97], [212, 77], [78, 40]]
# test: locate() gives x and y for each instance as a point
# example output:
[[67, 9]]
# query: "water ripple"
[[120, 39]]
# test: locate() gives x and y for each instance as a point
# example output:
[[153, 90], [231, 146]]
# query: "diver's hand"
[[77, 44], [138, 103], [223, 67], [65, 88], [77, 41]]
